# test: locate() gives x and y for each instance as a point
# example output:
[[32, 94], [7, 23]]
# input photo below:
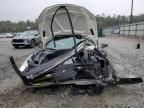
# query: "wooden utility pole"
[[131, 16]]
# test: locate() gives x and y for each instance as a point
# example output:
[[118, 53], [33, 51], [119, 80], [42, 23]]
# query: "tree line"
[[102, 21], [8, 26], [116, 20]]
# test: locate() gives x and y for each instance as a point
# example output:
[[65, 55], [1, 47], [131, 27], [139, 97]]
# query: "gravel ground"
[[121, 51]]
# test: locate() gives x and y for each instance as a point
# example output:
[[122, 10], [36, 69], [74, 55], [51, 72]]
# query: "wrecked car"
[[70, 54]]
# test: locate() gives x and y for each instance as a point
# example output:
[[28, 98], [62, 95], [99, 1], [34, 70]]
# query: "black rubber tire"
[[32, 44], [89, 89], [99, 89]]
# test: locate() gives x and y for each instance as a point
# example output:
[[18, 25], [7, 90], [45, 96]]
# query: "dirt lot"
[[121, 51]]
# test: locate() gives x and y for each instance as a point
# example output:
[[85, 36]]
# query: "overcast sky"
[[17, 10]]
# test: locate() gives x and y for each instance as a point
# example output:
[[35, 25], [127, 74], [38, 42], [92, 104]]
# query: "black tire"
[[99, 89], [106, 72], [94, 90], [15, 46], [32, 44], [88, 89]]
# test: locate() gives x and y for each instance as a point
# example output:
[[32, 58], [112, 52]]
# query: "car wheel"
[[88, 89], [15, 46], [32, 44]]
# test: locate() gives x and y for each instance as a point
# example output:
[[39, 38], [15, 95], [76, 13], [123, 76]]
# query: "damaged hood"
[[82, 19]]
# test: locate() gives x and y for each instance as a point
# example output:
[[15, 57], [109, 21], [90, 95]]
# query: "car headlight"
[[25, 64]]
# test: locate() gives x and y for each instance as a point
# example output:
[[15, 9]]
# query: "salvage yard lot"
[[121, 51]]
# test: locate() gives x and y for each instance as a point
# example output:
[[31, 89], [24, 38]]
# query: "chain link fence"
[[135, 29], [131, 30]]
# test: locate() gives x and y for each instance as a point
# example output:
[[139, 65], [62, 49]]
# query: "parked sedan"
[[28, 38], [6, 35]]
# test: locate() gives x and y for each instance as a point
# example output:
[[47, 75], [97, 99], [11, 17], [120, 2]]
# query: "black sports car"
[[71, 55]]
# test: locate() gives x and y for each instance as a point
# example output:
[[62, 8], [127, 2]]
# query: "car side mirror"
[[103, 45]]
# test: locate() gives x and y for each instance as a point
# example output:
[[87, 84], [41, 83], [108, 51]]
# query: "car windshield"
[[64, 43], [29, 33]]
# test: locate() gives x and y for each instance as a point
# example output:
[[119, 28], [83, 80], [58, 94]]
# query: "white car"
[[6, 35], [29, 38]]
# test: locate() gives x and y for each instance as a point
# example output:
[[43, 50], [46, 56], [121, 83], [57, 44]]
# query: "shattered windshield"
[[65, 43]]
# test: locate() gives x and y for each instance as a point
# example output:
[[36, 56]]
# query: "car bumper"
[[20, 44]]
